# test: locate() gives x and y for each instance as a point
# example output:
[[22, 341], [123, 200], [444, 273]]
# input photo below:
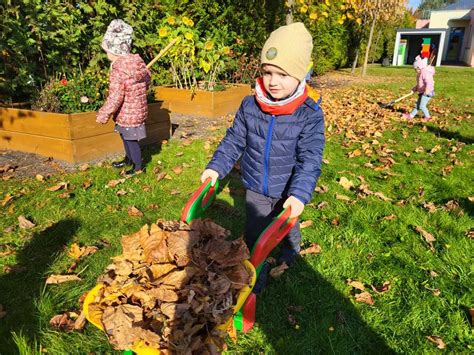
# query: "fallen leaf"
[[62, 322], [321, 189], [6, 200], [121, 192], [57, 279], [278, 270], [64, 195], [80, 322], [427, 236], [335, 222], [175, 192], [390, 217], [382, 196], [346, 183], [60, 186], [25, 223], [134, 212], [77, 252], [430, 206], [342, 198], [14, 269], [86, 184], [306, 224], [177, 170], [314, 248], [39, 177], [381, 289], [437, 340], [364, 297], [322, 205], [84, 167], [113, 183], [356, 284]]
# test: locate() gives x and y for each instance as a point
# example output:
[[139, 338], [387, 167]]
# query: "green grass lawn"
[[369, 239]]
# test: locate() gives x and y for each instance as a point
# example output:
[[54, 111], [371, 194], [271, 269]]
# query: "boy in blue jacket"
[[279, 133]]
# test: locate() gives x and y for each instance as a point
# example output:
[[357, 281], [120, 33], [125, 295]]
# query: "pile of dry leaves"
[[171, 287]]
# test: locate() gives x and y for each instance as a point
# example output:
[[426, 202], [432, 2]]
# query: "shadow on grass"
[[302, 313], [450, 134], [327, 321], [21, 290]]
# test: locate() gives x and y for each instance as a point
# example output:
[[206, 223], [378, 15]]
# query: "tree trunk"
[[289, 15], [354, 63], [376, 45], [367, 49]]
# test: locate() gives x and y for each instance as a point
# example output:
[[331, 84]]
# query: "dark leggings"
[[133, 152]]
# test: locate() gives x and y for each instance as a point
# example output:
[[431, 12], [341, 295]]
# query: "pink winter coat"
[[425, 81], [127, 101]]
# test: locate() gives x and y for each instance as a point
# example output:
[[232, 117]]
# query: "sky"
[[413, 3]]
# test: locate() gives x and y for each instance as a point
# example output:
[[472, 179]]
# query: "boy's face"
[[277, 81]]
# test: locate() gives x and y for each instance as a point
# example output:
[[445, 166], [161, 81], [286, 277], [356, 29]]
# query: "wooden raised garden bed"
[[73, 137], [211, 104]]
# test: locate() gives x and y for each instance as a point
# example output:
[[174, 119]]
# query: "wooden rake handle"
[[162, 52]]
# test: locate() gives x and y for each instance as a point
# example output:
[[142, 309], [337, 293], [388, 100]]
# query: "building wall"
[[440, 19]]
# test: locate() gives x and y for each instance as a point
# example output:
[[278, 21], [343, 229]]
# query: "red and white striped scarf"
[[281, 107]]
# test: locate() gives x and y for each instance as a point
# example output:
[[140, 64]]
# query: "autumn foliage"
[[172, 286]]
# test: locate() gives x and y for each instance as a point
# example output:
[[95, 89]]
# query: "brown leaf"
[[121, 192], [62, 322], [381, 289], [306, 224], [8, 198], [64, 195], [25, 223], [113, 183], [57, 279], [427, 236], [430, 206], [342, 197], [175, 192], [364, 297], [80, 322], [390, 217], [39, 177], [14, 269], [321, 189], [382, 196], [178, 170], [356, 284], [346, 183], [77, 252], [437, 340], [314, 248], [60, 186], [84, 167], [134, 212], [278, 270], [86, 184]]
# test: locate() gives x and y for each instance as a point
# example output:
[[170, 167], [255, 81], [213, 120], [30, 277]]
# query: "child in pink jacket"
[[424, 86], [127, 101]]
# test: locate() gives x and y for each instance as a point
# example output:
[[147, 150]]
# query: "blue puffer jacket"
[[282, 154]]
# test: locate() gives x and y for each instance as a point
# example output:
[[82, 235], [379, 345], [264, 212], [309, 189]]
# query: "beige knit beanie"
[[289, 47]]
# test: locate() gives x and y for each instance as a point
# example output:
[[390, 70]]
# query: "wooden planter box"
[[211, 104], [73, 137]]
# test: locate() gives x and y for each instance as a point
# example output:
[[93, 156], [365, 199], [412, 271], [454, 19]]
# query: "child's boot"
[[122, 163], [426, 118], [407, 116]]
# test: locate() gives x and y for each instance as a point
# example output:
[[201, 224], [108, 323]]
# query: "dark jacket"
[[282, 154]]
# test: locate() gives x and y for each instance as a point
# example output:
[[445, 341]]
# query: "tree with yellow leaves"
[[374, 11]]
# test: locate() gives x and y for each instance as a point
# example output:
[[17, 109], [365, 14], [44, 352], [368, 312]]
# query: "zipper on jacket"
[[267, 155]]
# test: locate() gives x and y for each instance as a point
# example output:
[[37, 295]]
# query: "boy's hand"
[[296, 205], [209, 173]]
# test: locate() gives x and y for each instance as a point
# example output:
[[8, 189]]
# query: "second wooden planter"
[[210, 104], [75, 137]]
